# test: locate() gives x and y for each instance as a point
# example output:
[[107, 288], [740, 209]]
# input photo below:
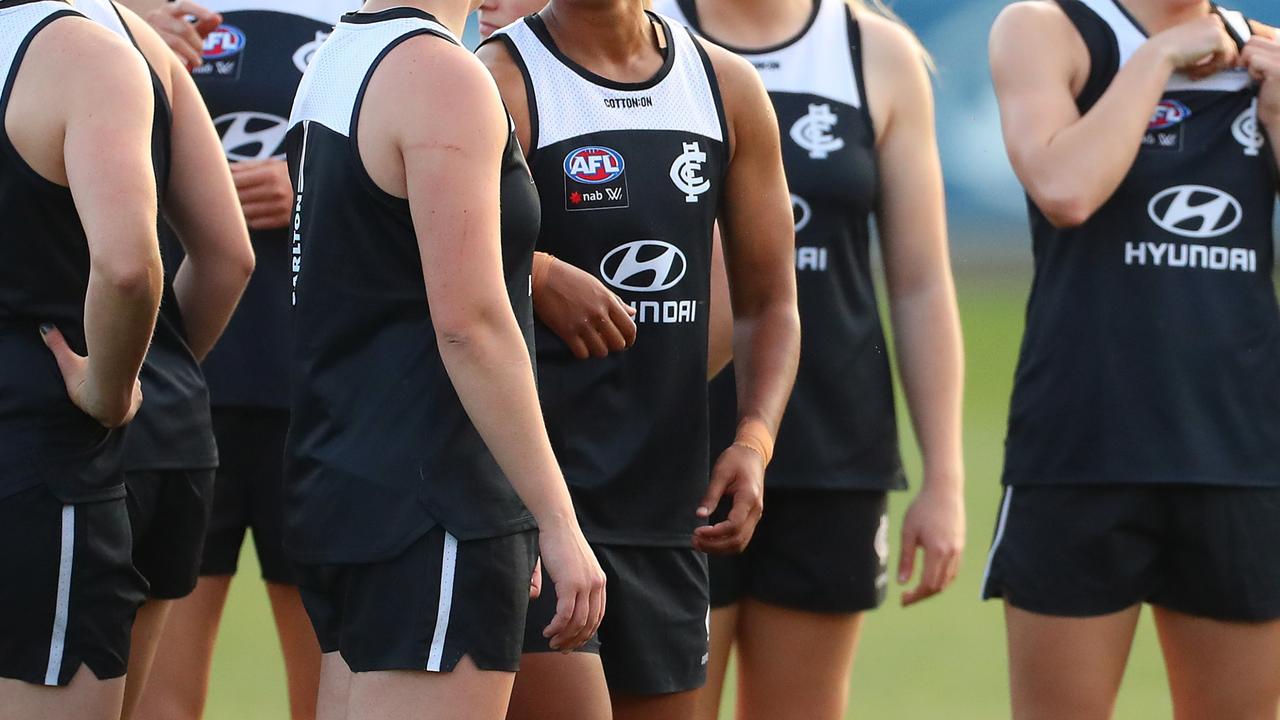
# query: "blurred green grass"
[[944, 659]]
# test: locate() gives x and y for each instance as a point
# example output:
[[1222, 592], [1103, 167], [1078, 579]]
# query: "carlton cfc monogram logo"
[[686, 172], [1245, 131], [813, 132]]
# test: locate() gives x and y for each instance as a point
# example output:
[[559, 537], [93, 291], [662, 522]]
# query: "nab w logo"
[[644, 266], [813, 132], [1195, 211]]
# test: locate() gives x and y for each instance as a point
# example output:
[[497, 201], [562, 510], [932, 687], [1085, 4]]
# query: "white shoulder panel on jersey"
[[1129, 37], [16, 23], [570, 105], [105, 14], [331, 85], [325, 11], [819, 63]]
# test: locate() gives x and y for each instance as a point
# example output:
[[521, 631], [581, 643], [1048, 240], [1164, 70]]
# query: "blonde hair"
[[883, 10]]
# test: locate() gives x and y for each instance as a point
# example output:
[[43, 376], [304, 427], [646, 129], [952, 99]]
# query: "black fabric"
[[630, 430], [252, 67], [1104, 53], [248, 493], [821, 551], [44, 274], [380, 448], [168, 515], [105, 590], [840, 431], [1089, 550], [1152, 345], [383, 616], [653, 639]]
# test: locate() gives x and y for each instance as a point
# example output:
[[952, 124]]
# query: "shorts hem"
[[1049, 610], [658, 688], [817, 608], [1246, 618]]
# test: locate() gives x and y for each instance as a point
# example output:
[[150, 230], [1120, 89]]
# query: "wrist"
[[542, 264], [756, 436], [1162, 53]]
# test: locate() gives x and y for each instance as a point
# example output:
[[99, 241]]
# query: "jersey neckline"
[[690, 8], [539, 28], [395, 13], [1132, 20], [7, 4]]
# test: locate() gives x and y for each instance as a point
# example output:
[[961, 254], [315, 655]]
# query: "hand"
[[739, 472], [109, 409], [935, 524], [183, 37], [579, 582], [583, 312], [1262, 59], [266, 193], [535, 582], [1199, 47]]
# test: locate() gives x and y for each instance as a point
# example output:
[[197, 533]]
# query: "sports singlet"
[[44, 274], [173, 429], [630, 176], [252, 65], [380, 448], [840, 430], [1152, 346]]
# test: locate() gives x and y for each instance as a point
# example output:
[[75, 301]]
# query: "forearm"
[[489, 365], [766, 345], [119, 319], [207, 294], [930, 353]]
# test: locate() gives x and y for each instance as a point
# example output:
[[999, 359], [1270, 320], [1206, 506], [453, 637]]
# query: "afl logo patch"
[[1168, 114], [1195, 211], [644, 266], [224, 42], [594, 165]]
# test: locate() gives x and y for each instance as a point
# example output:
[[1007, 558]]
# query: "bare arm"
[[922, 299], [169, 19], [200, 204], [480, 342], [1071, 165], [107, 163], [758, 233], [720, 324]]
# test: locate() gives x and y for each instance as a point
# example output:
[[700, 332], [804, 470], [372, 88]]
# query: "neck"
[[615, 30], [754, 23], [451, 13], [1159, 15]]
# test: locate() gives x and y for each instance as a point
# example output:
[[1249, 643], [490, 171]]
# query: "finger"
[[599, 601], [62, 353], [612, 335], [907, 558], [621, 316], [596, 346], [720, 480], [578, 348], [190, 55], [246, 175], [188, 38], [535, 581], [264, 212], [261, 192], [570, 638], [206, 20], [564, 614]]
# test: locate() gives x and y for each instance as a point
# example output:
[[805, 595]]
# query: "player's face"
[[495, 14]]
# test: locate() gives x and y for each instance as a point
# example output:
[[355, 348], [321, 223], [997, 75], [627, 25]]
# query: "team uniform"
[[1141, 461], [414, 549], [252, 65], [65, 548], [630, 176], [823, 544], [170, 453]]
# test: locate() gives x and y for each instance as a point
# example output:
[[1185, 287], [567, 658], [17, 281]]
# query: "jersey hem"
[[892, 482], [639, 540], [1139, 479], [377, 554]]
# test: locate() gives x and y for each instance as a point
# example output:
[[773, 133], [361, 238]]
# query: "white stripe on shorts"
[[995, 544], [448, 566], [58, 642]]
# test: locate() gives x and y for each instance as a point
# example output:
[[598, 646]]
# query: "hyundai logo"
[[1195, 211], [644, 266], [252, 135]]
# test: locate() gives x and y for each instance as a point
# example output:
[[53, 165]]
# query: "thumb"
[[57, 344], [715, 490], [907, 560]]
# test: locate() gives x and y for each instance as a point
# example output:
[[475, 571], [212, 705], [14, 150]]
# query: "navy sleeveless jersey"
[[630, 177], [173, 429], [252, 65], [1152, 347], [44, 274], [380, 448], [840, 430]]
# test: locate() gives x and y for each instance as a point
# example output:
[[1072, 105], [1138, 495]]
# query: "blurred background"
[[944, 659]]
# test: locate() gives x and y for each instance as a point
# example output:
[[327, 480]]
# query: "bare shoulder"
[[153, 47], [1029, 17], [433, 85], [85, 56], [889, 44]]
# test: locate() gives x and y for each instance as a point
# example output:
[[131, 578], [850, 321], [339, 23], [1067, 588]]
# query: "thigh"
[[179, 678], [300, 648], [1077, 551], [724, 628], [556, 685], [668, 706], [84, 698], [1065, 668], [1221, 670], [772, 685], [465, 693], [820, 551], [653, 640]]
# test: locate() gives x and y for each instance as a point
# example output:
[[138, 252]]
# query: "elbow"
[[139, 278], [244, 263], [1065, 207], [461, 331]]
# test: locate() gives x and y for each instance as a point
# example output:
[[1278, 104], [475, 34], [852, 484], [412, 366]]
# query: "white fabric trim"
[[448, 567], [995, 544], [58, 641]]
